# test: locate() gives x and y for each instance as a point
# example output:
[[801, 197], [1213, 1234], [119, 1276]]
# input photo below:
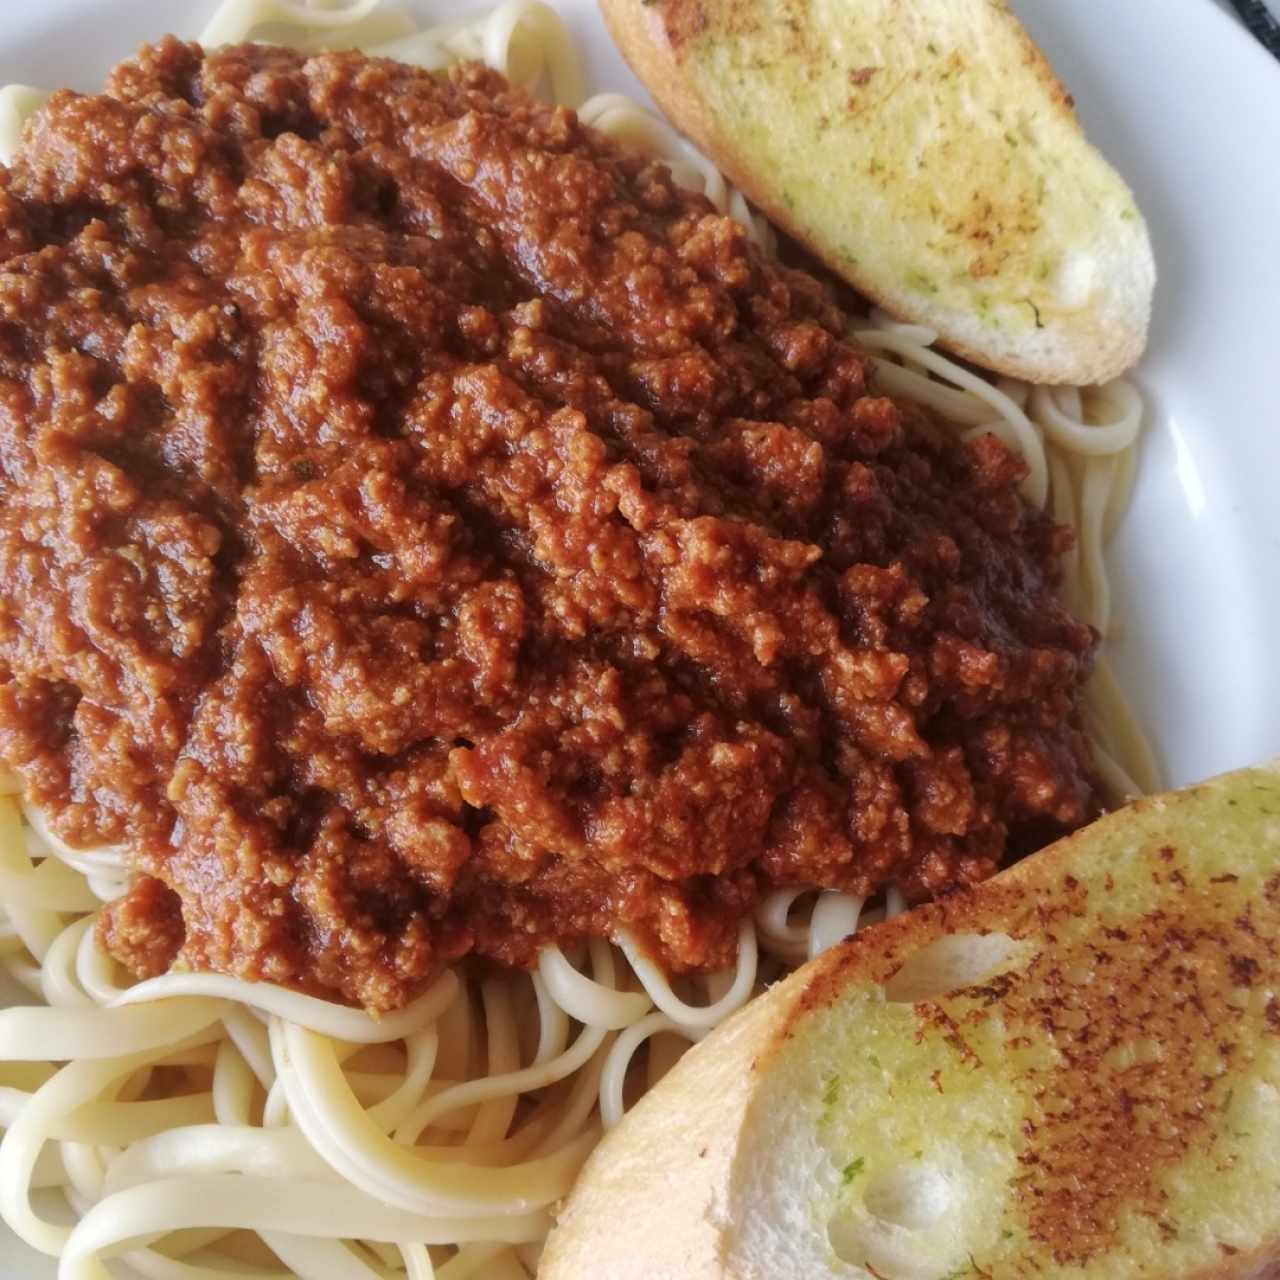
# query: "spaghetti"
[[204, 1127]]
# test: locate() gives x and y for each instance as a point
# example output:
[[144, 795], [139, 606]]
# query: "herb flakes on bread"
[[1071, 1070], [925, 151]]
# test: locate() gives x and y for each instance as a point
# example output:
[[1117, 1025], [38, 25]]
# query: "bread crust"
[[654, 1200], [653, 36], [679, 1156]]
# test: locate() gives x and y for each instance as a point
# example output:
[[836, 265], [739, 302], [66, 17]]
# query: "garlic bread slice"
[[925, 151], [1071, 1070]]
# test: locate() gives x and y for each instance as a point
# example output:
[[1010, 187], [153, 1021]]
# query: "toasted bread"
[[1072, 1070], [925, 151]]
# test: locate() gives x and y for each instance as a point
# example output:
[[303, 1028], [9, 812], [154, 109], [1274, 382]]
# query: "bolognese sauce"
[[427, 530]]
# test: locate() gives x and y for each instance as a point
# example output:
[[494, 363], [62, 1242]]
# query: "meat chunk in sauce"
[[425, 530]]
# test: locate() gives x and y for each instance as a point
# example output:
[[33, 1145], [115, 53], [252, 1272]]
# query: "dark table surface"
[[1261, 20]]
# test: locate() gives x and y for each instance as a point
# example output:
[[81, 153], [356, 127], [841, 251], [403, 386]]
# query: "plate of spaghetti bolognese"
[[441, 624]]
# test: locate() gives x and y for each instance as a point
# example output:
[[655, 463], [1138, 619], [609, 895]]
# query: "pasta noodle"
[[201, 1127]]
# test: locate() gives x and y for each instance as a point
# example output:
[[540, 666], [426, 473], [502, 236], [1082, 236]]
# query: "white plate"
[[1188, 107]]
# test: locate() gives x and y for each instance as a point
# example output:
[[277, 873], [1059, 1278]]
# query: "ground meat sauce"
[[428, 531]]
